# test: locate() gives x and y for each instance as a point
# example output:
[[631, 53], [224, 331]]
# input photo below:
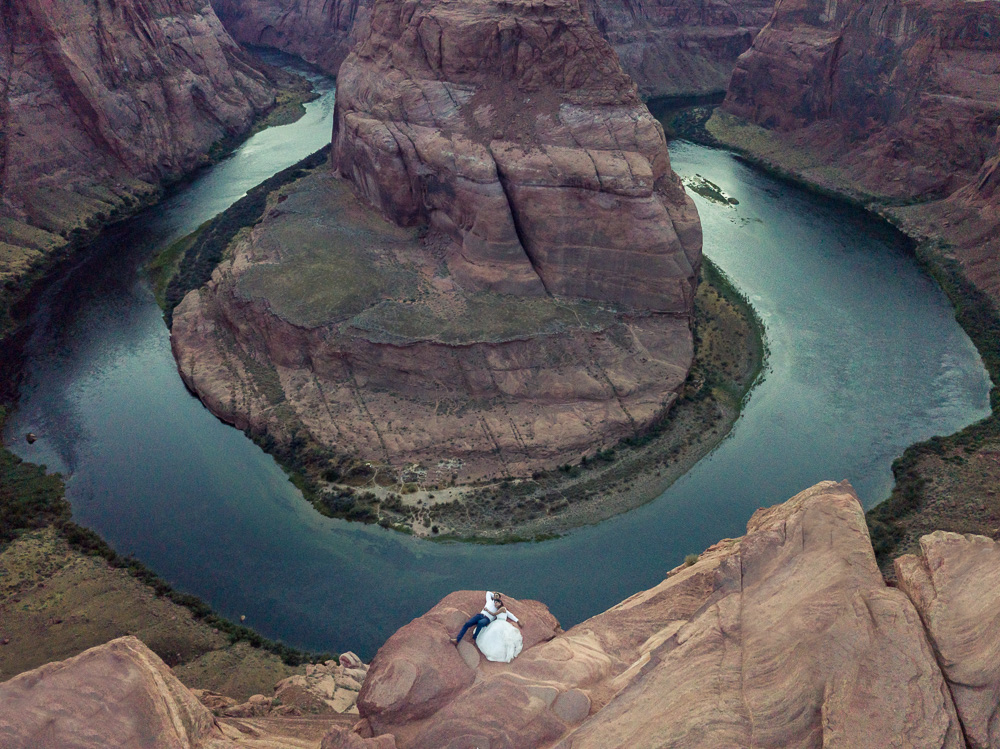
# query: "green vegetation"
[[29, 498], [207, 248], [483, 316]]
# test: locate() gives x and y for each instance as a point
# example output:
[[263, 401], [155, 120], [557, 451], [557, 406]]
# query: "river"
[[865, 359]]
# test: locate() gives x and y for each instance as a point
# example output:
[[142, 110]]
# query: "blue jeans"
[[478, 621]]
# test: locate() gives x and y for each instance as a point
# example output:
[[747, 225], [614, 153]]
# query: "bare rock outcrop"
[[319, 31], [512, 129], [669, 48], [529, 299], [119, 694], [955, 585], [787, 636], [680, 48], [892, 102], [103, 103]]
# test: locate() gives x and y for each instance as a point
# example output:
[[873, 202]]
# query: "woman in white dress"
[[501, 639]]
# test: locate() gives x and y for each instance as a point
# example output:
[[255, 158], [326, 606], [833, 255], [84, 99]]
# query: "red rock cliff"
[[668, 47], [676, 48], [319, 31], [512, 129], [896, 102], [104, 102]]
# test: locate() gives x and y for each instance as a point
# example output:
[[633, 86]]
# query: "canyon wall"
[[681, 48], [321, 32], [668, 47], [500, 281], [787, 636], [896, 103], [104, 103]]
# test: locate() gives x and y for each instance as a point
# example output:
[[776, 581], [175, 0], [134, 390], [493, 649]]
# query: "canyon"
[[458, 183], [787, 636], [529, 298], [102, 105], [895, 104], [668, 48]]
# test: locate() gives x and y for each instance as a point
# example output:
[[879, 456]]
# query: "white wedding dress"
[[500, 640]]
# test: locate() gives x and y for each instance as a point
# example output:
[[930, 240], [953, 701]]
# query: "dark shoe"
[[453, 641]]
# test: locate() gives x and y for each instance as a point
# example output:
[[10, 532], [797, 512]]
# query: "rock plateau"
[[529, 299], [103, 103], [785, 637]]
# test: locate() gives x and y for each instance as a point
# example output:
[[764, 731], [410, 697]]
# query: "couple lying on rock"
[[495, 633]]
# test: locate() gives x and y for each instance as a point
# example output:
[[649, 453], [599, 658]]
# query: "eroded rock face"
[[909, 91], [680, 48], [893, 101], [103, 103], [319, 31], [511, 128], [785, 637], [955, 585], [669, 48], [542, 309], [119, 694]]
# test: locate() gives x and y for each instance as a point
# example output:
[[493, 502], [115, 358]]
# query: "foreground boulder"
[[955, 585], [119, 694], [500, 281], [785, 637]]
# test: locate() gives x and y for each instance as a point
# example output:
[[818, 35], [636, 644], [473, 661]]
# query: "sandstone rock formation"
[[669, 48], [545, 314], [512, 129], [122, 695], [680, 48], [785, 637], [321, 33], [955, 584], [893, 102], [102, 104], [119, 694]]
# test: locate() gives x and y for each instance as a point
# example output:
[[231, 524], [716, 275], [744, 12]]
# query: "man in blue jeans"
[[484, 617]]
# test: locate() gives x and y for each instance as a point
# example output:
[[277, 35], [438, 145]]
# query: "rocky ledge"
[[104, 103], [787, 636], [528, 300]]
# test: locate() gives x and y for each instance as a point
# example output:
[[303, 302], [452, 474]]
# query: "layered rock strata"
[[955, 584], [319, 31], [787, 636], [893, 102], [680, 48], [103, 103], [540, 307], [669, 48]]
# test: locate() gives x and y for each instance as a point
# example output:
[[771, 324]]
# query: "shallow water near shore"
[[865, 359]]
